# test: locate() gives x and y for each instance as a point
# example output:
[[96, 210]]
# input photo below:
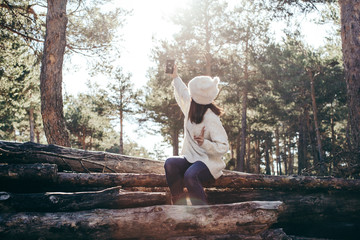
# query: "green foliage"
[[121, 94], [18, 19], [159, 104], [19, 88], [237, 47], [289, 8], [90, 119], [86, 125], [287, 66], [199, 39], [214, 38], [91, 30]]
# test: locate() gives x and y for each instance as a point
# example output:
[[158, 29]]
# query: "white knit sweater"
[[215, 138]]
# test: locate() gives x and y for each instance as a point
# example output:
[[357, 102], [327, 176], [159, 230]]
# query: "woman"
[[205, 140]]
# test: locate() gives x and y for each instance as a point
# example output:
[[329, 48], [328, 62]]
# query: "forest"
[[289, 108]]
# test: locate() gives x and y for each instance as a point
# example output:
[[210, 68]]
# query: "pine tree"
[[90, 30], [349, 27], [122, 99]]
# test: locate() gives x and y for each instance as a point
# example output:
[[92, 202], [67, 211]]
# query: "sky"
[[150, 19]]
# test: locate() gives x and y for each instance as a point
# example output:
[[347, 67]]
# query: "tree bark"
[[241, 159], [157, 222], [113, 198], [121, 146], [322, 167], [238, 144], [26, 172], [267, 234], [51, 74], [350, 31], [228, 180], [277, 144], [104, 180], [31, 123], [75, 159], [257, 155], [291, 158], [248, 153], [312, 214], [285, 156], [300, 206], [267, 158], [300, 144]]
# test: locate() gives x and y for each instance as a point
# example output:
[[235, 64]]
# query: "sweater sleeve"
[[182, 95], [218, 144]]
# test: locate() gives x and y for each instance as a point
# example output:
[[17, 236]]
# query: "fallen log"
[[92, 161], [89, 181], [60, 181], [25, 172], [238, 180], [157, 222], [76, 160], [235, 181], [27, 177], [300, 206], [270, 234], [217, 237], [113, 198], [328, 215], [111, 179]]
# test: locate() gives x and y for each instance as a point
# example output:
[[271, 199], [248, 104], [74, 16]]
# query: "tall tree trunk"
[[272, 161], [301, 145], [267, 158], [285, 156], [83, 139], [121, 144], [37, 136], [244, 109], [248, 154], [277, 143], [291, 158], [257, 155], [310, 138], [333, 139], [241, 159], [51, 74], [322, 167], [238, 144], [350, 32], [31, 123]]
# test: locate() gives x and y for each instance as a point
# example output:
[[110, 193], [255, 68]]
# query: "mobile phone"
[[170, 66]]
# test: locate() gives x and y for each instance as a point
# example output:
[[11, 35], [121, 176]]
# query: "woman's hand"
[[175, 72], [200, 139]]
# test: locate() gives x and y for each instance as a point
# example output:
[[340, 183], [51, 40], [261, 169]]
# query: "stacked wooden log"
[[70, 186], [51, 192]]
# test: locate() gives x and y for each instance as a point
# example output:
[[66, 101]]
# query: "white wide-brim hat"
[[203, 89]]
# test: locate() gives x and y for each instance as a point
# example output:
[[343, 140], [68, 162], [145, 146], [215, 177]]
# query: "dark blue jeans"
[[179, 173]]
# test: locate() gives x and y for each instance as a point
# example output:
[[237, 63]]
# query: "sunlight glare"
[[150, 21]]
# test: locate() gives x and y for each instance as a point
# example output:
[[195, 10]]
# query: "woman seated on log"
[[205, 140]]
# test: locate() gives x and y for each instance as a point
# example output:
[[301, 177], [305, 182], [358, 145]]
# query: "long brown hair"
[[197, 111]]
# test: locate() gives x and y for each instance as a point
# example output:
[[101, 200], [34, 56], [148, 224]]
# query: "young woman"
[[205, 140]]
